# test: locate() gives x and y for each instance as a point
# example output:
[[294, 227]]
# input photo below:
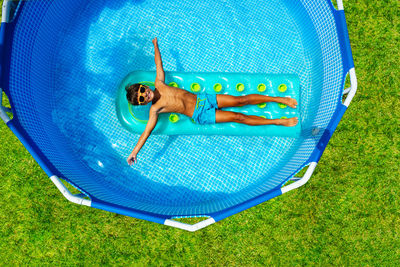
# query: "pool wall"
[[103, 194]]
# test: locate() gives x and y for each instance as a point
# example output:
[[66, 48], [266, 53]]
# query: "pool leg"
[[301, 181], [189, 227]]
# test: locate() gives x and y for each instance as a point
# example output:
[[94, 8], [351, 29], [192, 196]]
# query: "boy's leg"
[[228, 116], [224, 101]]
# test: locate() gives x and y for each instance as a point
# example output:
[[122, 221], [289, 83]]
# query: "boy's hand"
[[155, 41], [132, 159]]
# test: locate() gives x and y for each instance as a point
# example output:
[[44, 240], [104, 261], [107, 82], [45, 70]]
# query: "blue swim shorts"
[[204, 112]]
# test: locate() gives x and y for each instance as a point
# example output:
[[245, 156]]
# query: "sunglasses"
[[141, 91]]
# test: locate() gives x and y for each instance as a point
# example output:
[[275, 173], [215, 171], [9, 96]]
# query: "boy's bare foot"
[[291, 102], [290, 122]]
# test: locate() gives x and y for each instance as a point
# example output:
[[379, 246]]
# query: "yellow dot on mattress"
[[283, 117], [282, 105], [217, 87], [261, 87], [173, 118], [240, 87], [173, 84], [262, 105], [282, 88], [262, 116], [195, 87]]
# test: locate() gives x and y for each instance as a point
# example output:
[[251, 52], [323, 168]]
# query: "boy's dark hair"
[[132, 93]]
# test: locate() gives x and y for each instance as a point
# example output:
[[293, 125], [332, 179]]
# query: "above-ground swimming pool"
[[63, 61]]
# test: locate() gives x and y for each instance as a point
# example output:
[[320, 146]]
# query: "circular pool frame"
[[54, 80]]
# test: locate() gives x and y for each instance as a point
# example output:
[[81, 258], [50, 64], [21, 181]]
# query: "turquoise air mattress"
[[134, 118]]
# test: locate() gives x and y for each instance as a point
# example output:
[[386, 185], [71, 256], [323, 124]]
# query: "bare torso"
[[174, 100]]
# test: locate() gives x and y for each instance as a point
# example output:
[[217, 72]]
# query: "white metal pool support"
[[340, 4], [77, 198], [302, 181], [189, 227], [353, 87], [5, 15]]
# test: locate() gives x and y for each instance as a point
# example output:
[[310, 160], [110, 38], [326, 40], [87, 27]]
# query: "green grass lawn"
[[347, 214]]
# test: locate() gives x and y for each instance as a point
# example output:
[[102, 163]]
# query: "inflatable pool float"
[[134, 118]]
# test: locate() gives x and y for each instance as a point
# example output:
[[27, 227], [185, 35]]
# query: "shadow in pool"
[[176, 56], [171, 139]]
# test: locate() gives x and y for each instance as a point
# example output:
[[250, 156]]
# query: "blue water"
[[106, 40]]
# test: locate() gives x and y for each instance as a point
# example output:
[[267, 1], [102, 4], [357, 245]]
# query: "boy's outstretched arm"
[[157, 58], [143, 138]]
